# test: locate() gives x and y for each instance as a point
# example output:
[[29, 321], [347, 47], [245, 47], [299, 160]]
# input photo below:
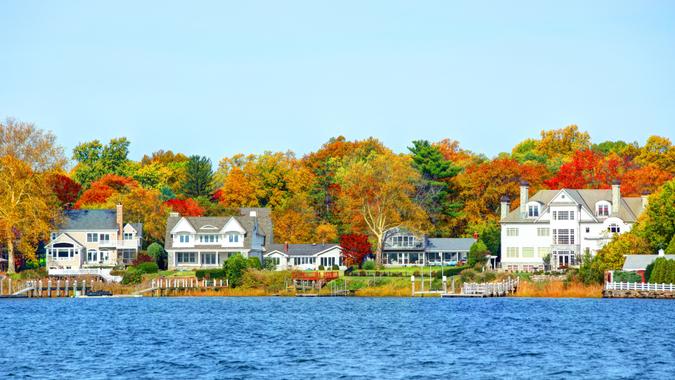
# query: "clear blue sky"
[[218, 78]]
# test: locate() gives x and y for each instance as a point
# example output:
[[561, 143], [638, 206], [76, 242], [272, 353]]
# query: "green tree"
[[94, 160], [157, 252], [198, 177], [433, 188], [489, 232], [478, 253], [235, 267], [657, 225]]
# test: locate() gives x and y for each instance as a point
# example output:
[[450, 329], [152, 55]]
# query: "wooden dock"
[[468, 290]]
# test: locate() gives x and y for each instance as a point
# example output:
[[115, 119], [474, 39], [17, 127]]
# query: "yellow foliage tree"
[[326, 232]]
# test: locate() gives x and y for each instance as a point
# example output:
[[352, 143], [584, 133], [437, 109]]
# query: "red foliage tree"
[[100, 191], [185, 207], [65, 188], [355, 247], [588, 170], [645, 179], [142, 258]]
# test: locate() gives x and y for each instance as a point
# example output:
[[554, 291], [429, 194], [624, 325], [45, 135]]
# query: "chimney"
[[174, 215], [119, 212], [616, 196], [286, 247], [505, 206], [524, 188], [253, 214], [645, 199], [661, 252]]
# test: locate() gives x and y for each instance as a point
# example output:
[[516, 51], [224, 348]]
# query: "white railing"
[[639, 286], [101, 272], [491, 288]]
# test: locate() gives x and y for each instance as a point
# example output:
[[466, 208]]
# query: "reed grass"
[[558, 289]]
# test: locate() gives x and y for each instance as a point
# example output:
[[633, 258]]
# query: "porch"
[[421, 258]]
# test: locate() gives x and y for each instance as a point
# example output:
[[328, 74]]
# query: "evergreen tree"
[[198, 177]]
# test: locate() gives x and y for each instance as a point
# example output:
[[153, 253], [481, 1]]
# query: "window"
[[208, 238], [512, 252], [128, 236], [104, 238], [603, 209], [528, 251], [614, 228], [92, 255], [92, 238], [184, 238], [209, 258], [511, 231], [563, 236], [588, 229], [563, 215], [543, 251], [53, 235], [327, 262], [543, 231], [233, 238], [128, 256], [274, 260], [532, 211], [186, 257]]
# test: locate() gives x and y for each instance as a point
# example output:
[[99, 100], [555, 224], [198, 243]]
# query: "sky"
[[217, 78]]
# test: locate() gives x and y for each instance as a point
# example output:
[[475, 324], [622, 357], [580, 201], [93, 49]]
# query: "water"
[[336, 338]]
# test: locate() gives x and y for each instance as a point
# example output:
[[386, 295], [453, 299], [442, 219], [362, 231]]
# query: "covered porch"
[[421, 258]]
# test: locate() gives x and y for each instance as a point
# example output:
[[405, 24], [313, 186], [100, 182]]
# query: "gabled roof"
[[302, 249], [89, 220], [640, 262], [64, 237], [629, 210], [449, 244], [219, 222]]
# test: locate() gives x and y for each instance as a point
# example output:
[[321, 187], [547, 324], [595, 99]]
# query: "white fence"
[[639, 286], [103, 273]]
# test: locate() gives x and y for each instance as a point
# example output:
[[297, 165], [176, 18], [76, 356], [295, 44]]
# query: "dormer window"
[[233, 238], [614, 228], [532, 211], [184, 238], [602, 209], [128, 236]]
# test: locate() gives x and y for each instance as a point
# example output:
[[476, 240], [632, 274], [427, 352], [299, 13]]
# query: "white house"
[[403, 248], [88, 240], [305, 256], [564, 224], [206, 242]]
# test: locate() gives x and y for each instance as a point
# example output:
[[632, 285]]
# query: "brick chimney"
[[616, 197], [286, 247], [119, 217], [524, 195], [645, 199], [505, 206]]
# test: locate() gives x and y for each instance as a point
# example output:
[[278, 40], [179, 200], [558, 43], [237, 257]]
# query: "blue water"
[[284, 338]]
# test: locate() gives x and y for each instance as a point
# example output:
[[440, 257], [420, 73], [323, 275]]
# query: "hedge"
[[148, 267], [210, 274]]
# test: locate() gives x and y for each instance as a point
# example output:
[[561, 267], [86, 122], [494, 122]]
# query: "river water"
[[291, 338]]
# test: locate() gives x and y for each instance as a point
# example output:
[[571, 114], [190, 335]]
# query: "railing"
[[639, 286], [103, 273], [492, 288]]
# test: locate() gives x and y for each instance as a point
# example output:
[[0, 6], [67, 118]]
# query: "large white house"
[[564, 224], [92, 242], [305, 256], [206, 242]]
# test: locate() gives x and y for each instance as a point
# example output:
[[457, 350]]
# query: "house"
[[404, 248], [92, 239], [305, 256], [639, 263], [206, 242], [563, 225]]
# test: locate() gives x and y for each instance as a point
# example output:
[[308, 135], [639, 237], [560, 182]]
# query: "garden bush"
[[321, 267], [132, 276], [254, 262], [468, 275], [210, 274], [450, 271], [369, 265], [142, 258], [620, 276], [335, 267], [148, 267]]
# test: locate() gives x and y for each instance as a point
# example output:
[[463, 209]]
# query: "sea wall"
[[637, 294]]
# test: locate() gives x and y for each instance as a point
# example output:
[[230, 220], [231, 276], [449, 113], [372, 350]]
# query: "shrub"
[[620, 276], [234, 267], [148, 267], [335, 267], [269, 265], [369, 265], [254, 262], [478, 254], [450, 271], [33, 274], [210, 274], [468, 275], [132, 276], [321, 267], [142, 258], [157, 252], [489, 276]]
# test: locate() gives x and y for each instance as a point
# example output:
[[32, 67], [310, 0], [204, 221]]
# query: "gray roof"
[[217, 221], [629, 210], [640, 262], [89, 220], [302, 249], [449, 244], [139, 228]]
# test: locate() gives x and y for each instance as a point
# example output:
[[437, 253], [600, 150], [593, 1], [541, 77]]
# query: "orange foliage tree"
[[185, 207]]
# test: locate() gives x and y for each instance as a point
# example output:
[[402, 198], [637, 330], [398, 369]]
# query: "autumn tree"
[[659, 151], [378, 195], [559, 144], [28, 208], [326, 232], [238, 190], [94, 160], [355, 248], [198, 177], [99, 193], [185, 207], [35, 147], [144, 206]]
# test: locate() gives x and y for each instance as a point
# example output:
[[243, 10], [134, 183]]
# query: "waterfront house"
[[206, 242], [563, 225], [405, 248], [305, 256], [639, 263], [89, 240]]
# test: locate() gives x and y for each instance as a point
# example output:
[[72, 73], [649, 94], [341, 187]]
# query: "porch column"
[[199, 257]]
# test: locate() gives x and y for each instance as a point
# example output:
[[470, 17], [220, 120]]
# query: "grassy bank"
[[558, 289]]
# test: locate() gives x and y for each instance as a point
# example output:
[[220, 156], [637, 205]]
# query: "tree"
[[237, 190], [235, 266], [198, 177], [144, 206], [433, 189], [185, 207], [157, 252], [94, 160], [325, 232], [378, 193], [559, 144], [659, 151], [657, 223], [35, 147], [588, 170], [99, 192], [355, 248], [28, 209], [644, 179], [611, 256], [489, 233], [478, 254], [65, 189], [293, 222]]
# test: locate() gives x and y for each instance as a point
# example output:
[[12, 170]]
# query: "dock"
[[467, 290]]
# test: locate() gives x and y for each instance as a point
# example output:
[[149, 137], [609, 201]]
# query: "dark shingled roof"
[[302, 249], [89, 220], [449, 244]]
